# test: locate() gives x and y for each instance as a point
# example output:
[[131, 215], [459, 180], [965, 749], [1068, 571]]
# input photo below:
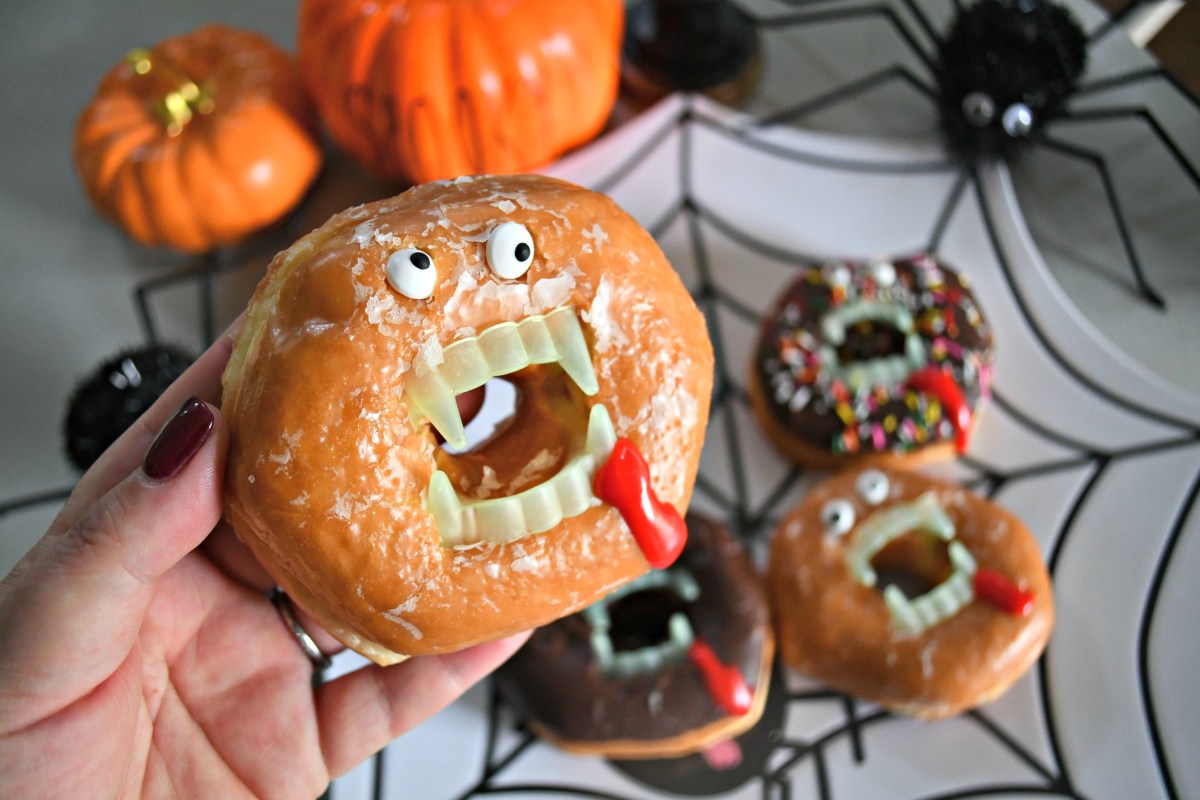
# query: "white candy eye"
[[883, 272], [510, 250], [411, 273], [837, 516], [872, 486]]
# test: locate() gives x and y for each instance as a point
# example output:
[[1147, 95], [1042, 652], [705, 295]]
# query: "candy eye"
[[411, 273], [510, 250], [872, 486], [837, 516]]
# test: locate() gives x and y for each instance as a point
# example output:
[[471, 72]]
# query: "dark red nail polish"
[[178, 440]]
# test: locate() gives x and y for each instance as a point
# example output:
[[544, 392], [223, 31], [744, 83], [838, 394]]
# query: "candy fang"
[[725, 683], [624, 482]]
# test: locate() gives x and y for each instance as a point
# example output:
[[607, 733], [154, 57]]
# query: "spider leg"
[[843, 93], [1115, 81], [914, 9], [1134, 76], [923, 20], [1139, 113], [948, 208], [1114, 21], [887, 13], [1097, 160]]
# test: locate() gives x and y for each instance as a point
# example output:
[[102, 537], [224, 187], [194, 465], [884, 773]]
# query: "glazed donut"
[[881, 361], [665, 666], [351, 354], [907, 591]]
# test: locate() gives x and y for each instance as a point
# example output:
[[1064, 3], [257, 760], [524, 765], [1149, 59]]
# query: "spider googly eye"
[[837, 516], [872, 486], [510, 250], [882, 272], [411, 273], [979, 109], [1017, 120]]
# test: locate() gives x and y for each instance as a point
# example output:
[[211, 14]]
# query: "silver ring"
[[281, 602]]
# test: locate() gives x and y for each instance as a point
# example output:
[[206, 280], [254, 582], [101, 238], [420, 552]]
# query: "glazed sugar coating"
[[353, 349], [974, 609], [871, 360]]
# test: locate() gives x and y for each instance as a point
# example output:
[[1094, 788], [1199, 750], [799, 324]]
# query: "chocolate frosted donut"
[[665, 666], [881, 361]]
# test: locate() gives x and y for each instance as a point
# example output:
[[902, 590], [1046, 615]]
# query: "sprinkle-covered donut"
[[910, 592], [879, 360], [667, 665]]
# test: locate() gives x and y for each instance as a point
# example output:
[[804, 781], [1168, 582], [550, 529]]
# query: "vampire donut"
[[343, 383]]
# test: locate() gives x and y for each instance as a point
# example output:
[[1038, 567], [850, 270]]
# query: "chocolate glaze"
[[943, 308], [555, 682]]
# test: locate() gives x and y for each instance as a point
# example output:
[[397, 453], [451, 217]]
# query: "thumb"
[[80, 599]]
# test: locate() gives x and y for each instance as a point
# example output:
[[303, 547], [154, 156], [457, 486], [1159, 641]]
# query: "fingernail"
[[178, 441]]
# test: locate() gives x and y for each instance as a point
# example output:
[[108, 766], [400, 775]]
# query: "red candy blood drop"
[[724, 682], [624, 483], [941, 384], [1002, 593]]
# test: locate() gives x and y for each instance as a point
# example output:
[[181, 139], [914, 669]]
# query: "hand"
[[140, 656]]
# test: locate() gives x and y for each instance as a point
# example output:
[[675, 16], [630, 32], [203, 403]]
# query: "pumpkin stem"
[[176, 108]]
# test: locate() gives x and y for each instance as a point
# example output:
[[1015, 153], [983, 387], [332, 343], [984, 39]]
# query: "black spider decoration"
[[115, 395], [1004, 77], [1004, 68]]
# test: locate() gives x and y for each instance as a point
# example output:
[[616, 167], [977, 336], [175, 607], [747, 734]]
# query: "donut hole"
[[870, 339], [641, 619], [484, 411], [915, 562], [528, 424]]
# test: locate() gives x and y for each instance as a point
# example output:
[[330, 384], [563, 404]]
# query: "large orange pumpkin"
[[427, 89], [199, 141]]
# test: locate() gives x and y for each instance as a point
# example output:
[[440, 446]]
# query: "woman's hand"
[[140, 656]]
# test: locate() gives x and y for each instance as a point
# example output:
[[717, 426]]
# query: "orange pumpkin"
[[427, 89], [199, 141]]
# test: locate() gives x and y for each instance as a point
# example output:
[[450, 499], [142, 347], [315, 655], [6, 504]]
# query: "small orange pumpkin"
[[199, 141], [426, 89]]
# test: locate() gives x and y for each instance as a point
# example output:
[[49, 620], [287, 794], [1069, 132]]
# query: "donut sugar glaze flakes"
[[347, 373], [909, 592], [670, 664], [876, 360]]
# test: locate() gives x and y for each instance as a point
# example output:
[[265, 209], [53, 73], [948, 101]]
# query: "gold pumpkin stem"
[[175, 109]]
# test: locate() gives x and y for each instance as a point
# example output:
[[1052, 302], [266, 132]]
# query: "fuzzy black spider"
[[1006, 68], [1003, 78]]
